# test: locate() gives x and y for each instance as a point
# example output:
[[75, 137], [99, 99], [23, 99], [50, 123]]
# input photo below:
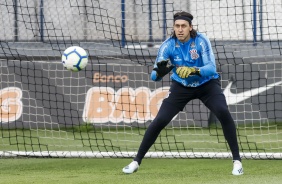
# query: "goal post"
[[105, 109]]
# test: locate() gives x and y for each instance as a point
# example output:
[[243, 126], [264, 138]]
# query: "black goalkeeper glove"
[[185, 71], [163, 68]]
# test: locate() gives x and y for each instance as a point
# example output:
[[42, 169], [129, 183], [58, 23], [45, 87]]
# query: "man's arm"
[[209, 67]]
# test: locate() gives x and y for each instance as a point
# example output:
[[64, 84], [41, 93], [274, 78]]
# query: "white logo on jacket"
[[194, 54]]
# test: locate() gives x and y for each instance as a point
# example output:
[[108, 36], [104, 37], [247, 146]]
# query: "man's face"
[[182, 30]]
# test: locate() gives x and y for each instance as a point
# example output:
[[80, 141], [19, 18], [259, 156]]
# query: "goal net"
[[104, 110]]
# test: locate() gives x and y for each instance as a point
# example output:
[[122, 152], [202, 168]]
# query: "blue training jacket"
[[196, 52]]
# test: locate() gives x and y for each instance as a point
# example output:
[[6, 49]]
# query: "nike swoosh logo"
[[234, 98]]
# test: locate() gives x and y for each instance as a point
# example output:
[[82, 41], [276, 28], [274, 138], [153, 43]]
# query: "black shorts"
[[180, 95]]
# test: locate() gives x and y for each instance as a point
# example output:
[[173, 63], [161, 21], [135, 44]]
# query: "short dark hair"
[[185, 16]]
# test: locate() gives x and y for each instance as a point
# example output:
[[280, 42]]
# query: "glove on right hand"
[[162, 68]]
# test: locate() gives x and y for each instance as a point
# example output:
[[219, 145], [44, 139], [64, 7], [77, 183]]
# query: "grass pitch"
[[152, 171]]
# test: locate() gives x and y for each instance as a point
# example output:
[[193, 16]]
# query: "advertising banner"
[[44, 94]]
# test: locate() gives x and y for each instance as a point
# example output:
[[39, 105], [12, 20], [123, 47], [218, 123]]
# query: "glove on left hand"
[[185, 71]]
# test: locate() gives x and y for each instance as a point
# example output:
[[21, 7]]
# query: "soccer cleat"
[[131, 168], [237, 168]]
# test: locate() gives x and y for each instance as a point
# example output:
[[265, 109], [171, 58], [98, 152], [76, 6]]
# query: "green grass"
[[197, 139], [152, 171]]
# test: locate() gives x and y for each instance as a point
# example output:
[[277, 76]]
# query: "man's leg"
[[211, 95], [164, 116], [215, 100], [218, 106]]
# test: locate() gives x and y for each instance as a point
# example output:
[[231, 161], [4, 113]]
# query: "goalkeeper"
[[194, 76]]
